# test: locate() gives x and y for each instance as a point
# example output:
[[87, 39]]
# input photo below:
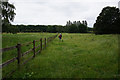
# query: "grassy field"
[[78, 56], [9, 40]]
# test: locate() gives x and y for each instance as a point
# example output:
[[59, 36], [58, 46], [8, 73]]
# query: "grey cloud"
[[58, 11]]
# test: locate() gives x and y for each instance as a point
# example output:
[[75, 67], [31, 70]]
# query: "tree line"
[[108, 22], [73, 28]]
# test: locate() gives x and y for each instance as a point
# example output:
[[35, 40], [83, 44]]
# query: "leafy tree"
[[73, 28], [8, 15], [76, 27], [85, 23], [82, 28], [108, 21], [59, 28]]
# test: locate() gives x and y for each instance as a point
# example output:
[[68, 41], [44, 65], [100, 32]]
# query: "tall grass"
[[12, 40], [78, 56]]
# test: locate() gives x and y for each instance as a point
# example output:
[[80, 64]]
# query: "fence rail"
[[8, 62], [27, 52], [7, 49], [18, 47]]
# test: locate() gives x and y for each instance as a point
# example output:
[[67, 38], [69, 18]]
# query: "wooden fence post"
[[45, 42], [41, 44], [34, 48], [19, 54]]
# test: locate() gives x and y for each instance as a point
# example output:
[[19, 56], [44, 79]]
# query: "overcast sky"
[[57, 12]]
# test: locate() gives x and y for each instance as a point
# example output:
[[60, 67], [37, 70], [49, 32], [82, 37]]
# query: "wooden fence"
[[19, 54]]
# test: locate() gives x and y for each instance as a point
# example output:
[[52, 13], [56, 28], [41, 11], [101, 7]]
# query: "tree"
[[76, 27], [108, 21], [85, 23], [8, 15], [73, 28], [82, 28]]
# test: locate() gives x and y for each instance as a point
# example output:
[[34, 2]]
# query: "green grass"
[[78, 56], [12, 39], [9, 40]]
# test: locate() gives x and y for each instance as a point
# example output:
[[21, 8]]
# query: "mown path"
[[78, 56]]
